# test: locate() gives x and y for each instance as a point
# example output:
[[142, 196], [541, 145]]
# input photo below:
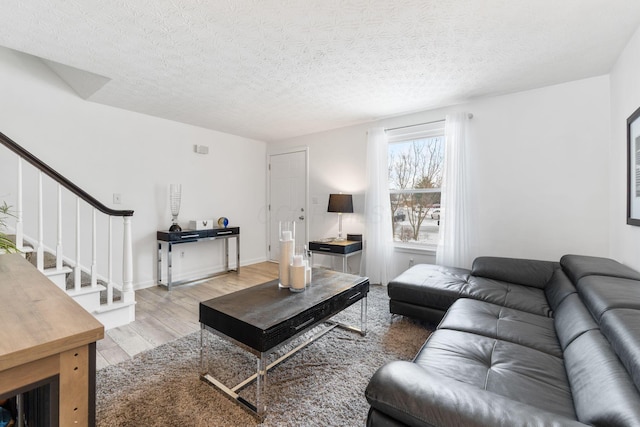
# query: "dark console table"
[[339, 248], [192, 236]]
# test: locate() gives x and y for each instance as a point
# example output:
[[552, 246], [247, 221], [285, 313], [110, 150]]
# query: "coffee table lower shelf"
[[259, 406]]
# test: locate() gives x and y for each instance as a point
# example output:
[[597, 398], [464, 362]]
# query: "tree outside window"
[[415, 177]]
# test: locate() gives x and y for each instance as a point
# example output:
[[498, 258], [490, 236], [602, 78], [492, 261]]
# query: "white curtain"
[[455, 235], [378, 251]]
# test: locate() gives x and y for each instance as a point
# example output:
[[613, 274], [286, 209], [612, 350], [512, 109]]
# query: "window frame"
[[407, 134]]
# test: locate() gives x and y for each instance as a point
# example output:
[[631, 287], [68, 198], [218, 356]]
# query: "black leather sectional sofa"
[[519, 343]]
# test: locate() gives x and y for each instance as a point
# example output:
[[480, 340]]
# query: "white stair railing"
[[40, 243]]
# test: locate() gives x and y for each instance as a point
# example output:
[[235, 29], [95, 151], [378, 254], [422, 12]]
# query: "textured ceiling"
[[273, 69]]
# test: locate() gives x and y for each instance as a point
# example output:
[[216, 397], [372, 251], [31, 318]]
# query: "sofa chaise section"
[[427, 291]]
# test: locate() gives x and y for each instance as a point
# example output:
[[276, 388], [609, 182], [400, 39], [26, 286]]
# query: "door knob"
[[301, 217]]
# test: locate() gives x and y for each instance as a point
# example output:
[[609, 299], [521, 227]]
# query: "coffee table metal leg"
[[362, 330], [204, 359], [261, 385]]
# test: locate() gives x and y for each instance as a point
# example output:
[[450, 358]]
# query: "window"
[[416, 160]]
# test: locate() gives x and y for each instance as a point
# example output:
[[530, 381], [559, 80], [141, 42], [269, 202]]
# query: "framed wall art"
[[633, 169]]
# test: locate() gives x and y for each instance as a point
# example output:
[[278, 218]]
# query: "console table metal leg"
[[169, 262], [238, 254], [159, 264], [226, 254]]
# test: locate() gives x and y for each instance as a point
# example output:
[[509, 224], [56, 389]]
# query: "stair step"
[[53, 271], [26, 247], [117, 296], [116, 314], [58, 275]]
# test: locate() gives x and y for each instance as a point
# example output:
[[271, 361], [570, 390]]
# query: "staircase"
[[91, 285]]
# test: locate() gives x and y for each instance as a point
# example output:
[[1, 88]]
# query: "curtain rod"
[[470, 116]]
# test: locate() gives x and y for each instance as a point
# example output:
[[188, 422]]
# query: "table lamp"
[[340, 203]]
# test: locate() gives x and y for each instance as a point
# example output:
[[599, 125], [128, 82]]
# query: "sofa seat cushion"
[[439, 287], [409, 395], [507, 324], [520, 373]]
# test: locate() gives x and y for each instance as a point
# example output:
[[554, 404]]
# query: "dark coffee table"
[[263, 318]]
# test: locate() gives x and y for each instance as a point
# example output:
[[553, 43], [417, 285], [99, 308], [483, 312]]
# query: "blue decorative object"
[[223, 222]]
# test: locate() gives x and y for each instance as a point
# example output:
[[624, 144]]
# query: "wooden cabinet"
[[46, 338]]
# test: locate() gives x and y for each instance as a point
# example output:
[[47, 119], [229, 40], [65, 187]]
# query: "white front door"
[[288, 184]]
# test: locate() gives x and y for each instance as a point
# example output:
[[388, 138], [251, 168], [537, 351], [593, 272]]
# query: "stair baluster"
[[77, 270], [127, 263], [59, 231], [110, 264], [19, 225], [94, 250], [40, 250]]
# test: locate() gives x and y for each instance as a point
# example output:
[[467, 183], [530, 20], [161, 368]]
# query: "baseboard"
[[195, 274]]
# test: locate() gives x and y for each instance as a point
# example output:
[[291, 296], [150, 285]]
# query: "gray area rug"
[[323, 385]]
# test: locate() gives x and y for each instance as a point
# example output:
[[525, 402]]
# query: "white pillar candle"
[[286, 235], [297, 261], [307, 271], [297, 278], [286, 251]]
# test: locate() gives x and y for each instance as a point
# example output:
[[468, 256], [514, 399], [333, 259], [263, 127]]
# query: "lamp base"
[[175, 227], [339, 239]]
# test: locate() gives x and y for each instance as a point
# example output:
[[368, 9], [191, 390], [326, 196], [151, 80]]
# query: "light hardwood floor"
[[163, 316]]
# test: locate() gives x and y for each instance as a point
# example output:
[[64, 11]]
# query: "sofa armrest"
[[526, 272], [414, 396]]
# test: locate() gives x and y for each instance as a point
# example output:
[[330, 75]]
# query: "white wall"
[[625, 99], [107, 150], [540, 175]]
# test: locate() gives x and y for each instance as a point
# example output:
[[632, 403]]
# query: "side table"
[[339, 248], [191, 236]]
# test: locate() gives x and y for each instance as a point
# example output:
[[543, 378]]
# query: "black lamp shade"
[[341, 203]]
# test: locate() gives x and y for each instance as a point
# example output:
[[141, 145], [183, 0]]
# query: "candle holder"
[[287, 235], [175, 194]]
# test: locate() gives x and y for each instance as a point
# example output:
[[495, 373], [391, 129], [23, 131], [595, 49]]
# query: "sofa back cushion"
[[602, 390], [579, 266], [519, 271], [572, 319], [558, 288], [601, 294], [621, 327]]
